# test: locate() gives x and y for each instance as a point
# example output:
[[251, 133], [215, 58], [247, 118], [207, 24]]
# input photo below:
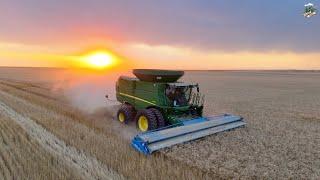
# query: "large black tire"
[[160, 120], [126, 113], [150, 118]]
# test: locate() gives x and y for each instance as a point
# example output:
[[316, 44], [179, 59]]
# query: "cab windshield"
[[179, 95]]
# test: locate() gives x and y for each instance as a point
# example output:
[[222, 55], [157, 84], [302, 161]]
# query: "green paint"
[[142, 95]]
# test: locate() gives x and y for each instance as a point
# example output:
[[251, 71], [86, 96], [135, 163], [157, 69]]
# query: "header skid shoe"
[[151, 141]]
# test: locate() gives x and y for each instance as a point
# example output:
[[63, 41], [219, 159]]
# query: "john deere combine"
[[167, 111]]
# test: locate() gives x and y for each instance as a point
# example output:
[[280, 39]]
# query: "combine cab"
[[167, 111]]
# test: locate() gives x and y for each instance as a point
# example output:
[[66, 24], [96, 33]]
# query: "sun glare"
[[100, 60]]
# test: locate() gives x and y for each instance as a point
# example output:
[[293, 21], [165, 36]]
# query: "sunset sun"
[[100, 60]]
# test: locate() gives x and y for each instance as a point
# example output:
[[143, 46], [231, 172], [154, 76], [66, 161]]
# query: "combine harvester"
[[167, 111]]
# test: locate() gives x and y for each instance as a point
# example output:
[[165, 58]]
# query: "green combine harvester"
[[167, 111]]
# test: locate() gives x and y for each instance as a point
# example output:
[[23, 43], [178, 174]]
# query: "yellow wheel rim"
[[143, 123], [121, 117]]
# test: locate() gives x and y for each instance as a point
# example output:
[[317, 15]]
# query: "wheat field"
[[77, 129], [280, 141]]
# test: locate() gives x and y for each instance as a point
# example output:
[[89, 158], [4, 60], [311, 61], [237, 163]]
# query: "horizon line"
[[47, 67]]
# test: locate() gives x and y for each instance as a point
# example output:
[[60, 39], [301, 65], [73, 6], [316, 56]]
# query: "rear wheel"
[[125, 113], [146, 120], [160, 120]]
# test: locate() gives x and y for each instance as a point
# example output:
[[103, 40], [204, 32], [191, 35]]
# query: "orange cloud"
[[140, 55], [172, 57]]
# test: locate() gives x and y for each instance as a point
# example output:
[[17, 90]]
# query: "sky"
[[171, 34]]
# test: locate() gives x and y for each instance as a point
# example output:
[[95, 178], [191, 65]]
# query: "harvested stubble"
[[281, 139], [76, 130], [23, 158]]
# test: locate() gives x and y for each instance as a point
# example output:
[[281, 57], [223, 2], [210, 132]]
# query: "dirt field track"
[[43, 137]]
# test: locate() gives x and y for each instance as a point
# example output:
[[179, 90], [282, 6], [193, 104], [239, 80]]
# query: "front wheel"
[[146, 120], [160, 120]]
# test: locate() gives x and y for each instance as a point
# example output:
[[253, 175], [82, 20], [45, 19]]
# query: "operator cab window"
[[178, 96]]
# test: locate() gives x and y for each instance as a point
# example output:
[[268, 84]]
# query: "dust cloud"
[[87, 90]]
